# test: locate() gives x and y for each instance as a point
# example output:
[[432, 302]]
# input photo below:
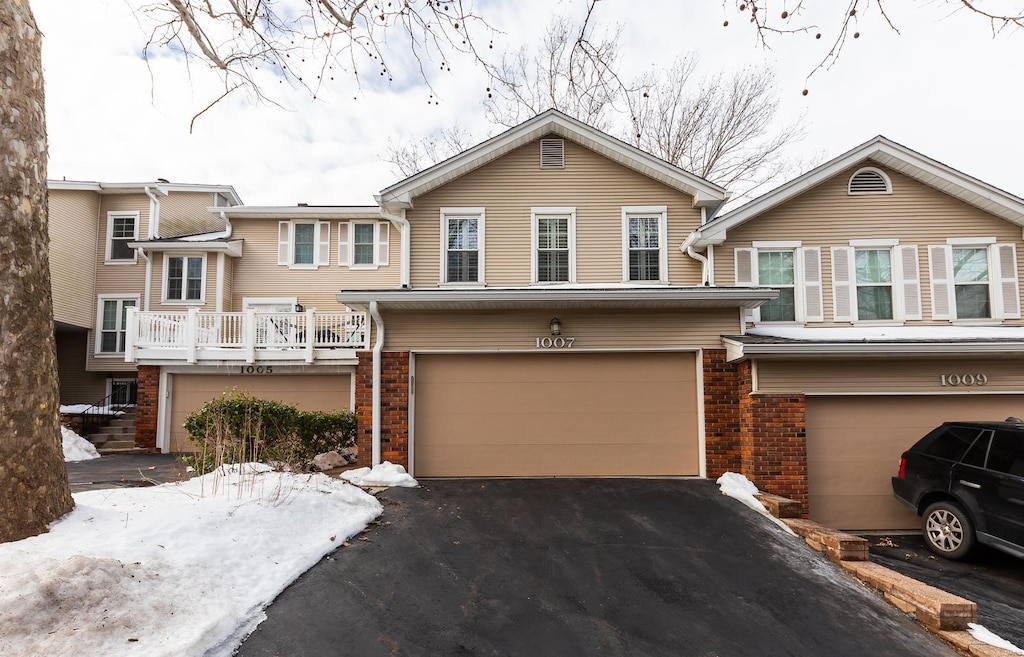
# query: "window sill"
[[460, 284], [364, 267], [121, 262], [176, 302], [110, 354], [983, 321], [303, 267], [879, 322]]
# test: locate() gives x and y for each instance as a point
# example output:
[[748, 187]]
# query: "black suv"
[[966, 480]]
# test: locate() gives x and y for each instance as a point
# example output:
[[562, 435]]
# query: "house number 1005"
[[964, 379], [555, 343]]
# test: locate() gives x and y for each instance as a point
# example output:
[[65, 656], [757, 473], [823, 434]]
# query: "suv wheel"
[[948, 530]]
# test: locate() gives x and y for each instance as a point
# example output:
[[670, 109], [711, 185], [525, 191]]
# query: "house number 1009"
[[555, 343], [964, 379]]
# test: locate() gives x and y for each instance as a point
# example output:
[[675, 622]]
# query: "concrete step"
[[116, 444], [122, 450], [122, 422]]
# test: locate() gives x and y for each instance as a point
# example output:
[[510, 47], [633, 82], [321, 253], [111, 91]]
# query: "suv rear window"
[[948, 442]]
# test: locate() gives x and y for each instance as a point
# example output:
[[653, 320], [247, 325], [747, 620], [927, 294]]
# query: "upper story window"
[[554, 245], [869, 180], [875, 280], [122, 228], [304, 244], [974, 278], [111, 322], [462, 245], [644, 255], [792, 269], [221, 200], [184, 278], [363, 244]]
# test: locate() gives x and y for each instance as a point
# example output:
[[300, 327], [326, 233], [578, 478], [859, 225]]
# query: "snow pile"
[[739, 487], [983, 634], [181, 569], [74, 409], [76, 448], [382, 475]]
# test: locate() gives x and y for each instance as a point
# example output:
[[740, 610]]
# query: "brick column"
[[721, 414], [394, 406], [773, 441], [147, 403]]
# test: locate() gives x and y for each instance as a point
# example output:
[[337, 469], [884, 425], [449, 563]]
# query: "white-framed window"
[[644, 244], [363, 244], [868, 180], [221, 200], [111, 321], [554, 245], [303, 244], [462, 245], [184, 278], [974, 279], [875, 280], [122, 228], [792, 269]]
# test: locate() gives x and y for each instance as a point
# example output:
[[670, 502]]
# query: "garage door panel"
[[556, 414], [854, 444]]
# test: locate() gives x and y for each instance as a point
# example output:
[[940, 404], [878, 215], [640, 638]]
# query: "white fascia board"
[[232, 248], [739, 350], [284, 212], [139, 187], [728, 297], [73, 185]]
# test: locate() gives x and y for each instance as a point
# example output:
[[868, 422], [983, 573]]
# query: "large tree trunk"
[[33, 479]]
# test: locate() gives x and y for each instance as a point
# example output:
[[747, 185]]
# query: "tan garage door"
[[496, 415], [307, 392], [854, 445]]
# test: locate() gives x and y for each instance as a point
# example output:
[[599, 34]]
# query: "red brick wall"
[[773, 440], [146, 404], [721, 414], [394, 406]]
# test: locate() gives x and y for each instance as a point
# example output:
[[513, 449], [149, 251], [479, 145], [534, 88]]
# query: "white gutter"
[[149, 276], [154, 214], [403, 229], [687, 248], [378, 347]]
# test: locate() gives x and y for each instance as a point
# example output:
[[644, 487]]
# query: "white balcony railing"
[[248, 336]]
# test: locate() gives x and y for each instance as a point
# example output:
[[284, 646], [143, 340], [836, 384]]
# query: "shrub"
[[239, 428]]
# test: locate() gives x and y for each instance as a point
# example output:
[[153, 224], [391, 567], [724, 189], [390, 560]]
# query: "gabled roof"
[[401, 195], [158, 186], [889, 154]]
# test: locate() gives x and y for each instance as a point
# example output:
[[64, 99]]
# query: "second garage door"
[[513, 415], [854, 446], [323, 392]]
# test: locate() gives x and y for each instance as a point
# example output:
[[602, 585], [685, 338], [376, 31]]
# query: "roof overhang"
[[889, 154], [656, 298], [741, 348], [232, 248], [321, 212], [159, 187], [401, 195]]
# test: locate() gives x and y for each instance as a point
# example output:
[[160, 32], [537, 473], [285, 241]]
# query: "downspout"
[[403, 229], [687, 248], [227, 223], [154, 214], [378, 348], [149, 277]]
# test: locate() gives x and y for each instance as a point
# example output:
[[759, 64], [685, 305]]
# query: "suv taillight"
[[903, 468]]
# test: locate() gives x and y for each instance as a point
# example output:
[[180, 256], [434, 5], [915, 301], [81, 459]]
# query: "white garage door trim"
[[698, 364]]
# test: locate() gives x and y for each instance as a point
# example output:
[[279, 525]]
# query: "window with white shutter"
[[909, 278], [303, 244], [810, 258], [363, 244], [1008, 292], [974, 279], [842, 284]]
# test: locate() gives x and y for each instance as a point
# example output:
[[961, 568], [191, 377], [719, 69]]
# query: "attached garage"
[[556, 414], [308, 392], [854, 445]]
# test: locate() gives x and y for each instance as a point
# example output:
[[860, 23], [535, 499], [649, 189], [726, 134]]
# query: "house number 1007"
[[555, 343]]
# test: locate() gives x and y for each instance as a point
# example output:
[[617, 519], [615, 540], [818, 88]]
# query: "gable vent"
[[552, 153], [869, 181]]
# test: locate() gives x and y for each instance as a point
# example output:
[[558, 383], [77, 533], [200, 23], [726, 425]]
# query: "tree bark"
[[33, 479]]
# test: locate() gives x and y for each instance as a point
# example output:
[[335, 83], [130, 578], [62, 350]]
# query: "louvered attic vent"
[[869, 181], [552, 153]]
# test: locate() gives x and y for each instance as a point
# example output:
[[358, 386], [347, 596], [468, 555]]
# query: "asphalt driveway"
[[579, 567]]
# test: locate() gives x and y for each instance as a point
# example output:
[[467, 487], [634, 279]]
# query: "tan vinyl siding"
[[121, 278], [74, 234], [827, 216], [229, 282], [519, 330], [77, 386], [185, 213], [885, 375], [510, 186], [257, 273]]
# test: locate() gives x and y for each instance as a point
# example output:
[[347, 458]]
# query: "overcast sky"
[[943, 86]]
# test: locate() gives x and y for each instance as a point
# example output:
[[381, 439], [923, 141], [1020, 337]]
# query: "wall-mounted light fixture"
[[299, 308], [556, 326]]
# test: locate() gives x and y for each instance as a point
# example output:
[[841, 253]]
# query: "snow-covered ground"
[[183, 569], [76, 448]]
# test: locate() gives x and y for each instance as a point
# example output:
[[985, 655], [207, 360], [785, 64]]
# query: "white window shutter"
[[284, 243], [844, 307], [940, 265], [344, 249], [810, 258], [323, 243], [909, 280], [746, 276], [1006, 275], [383, 242]]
